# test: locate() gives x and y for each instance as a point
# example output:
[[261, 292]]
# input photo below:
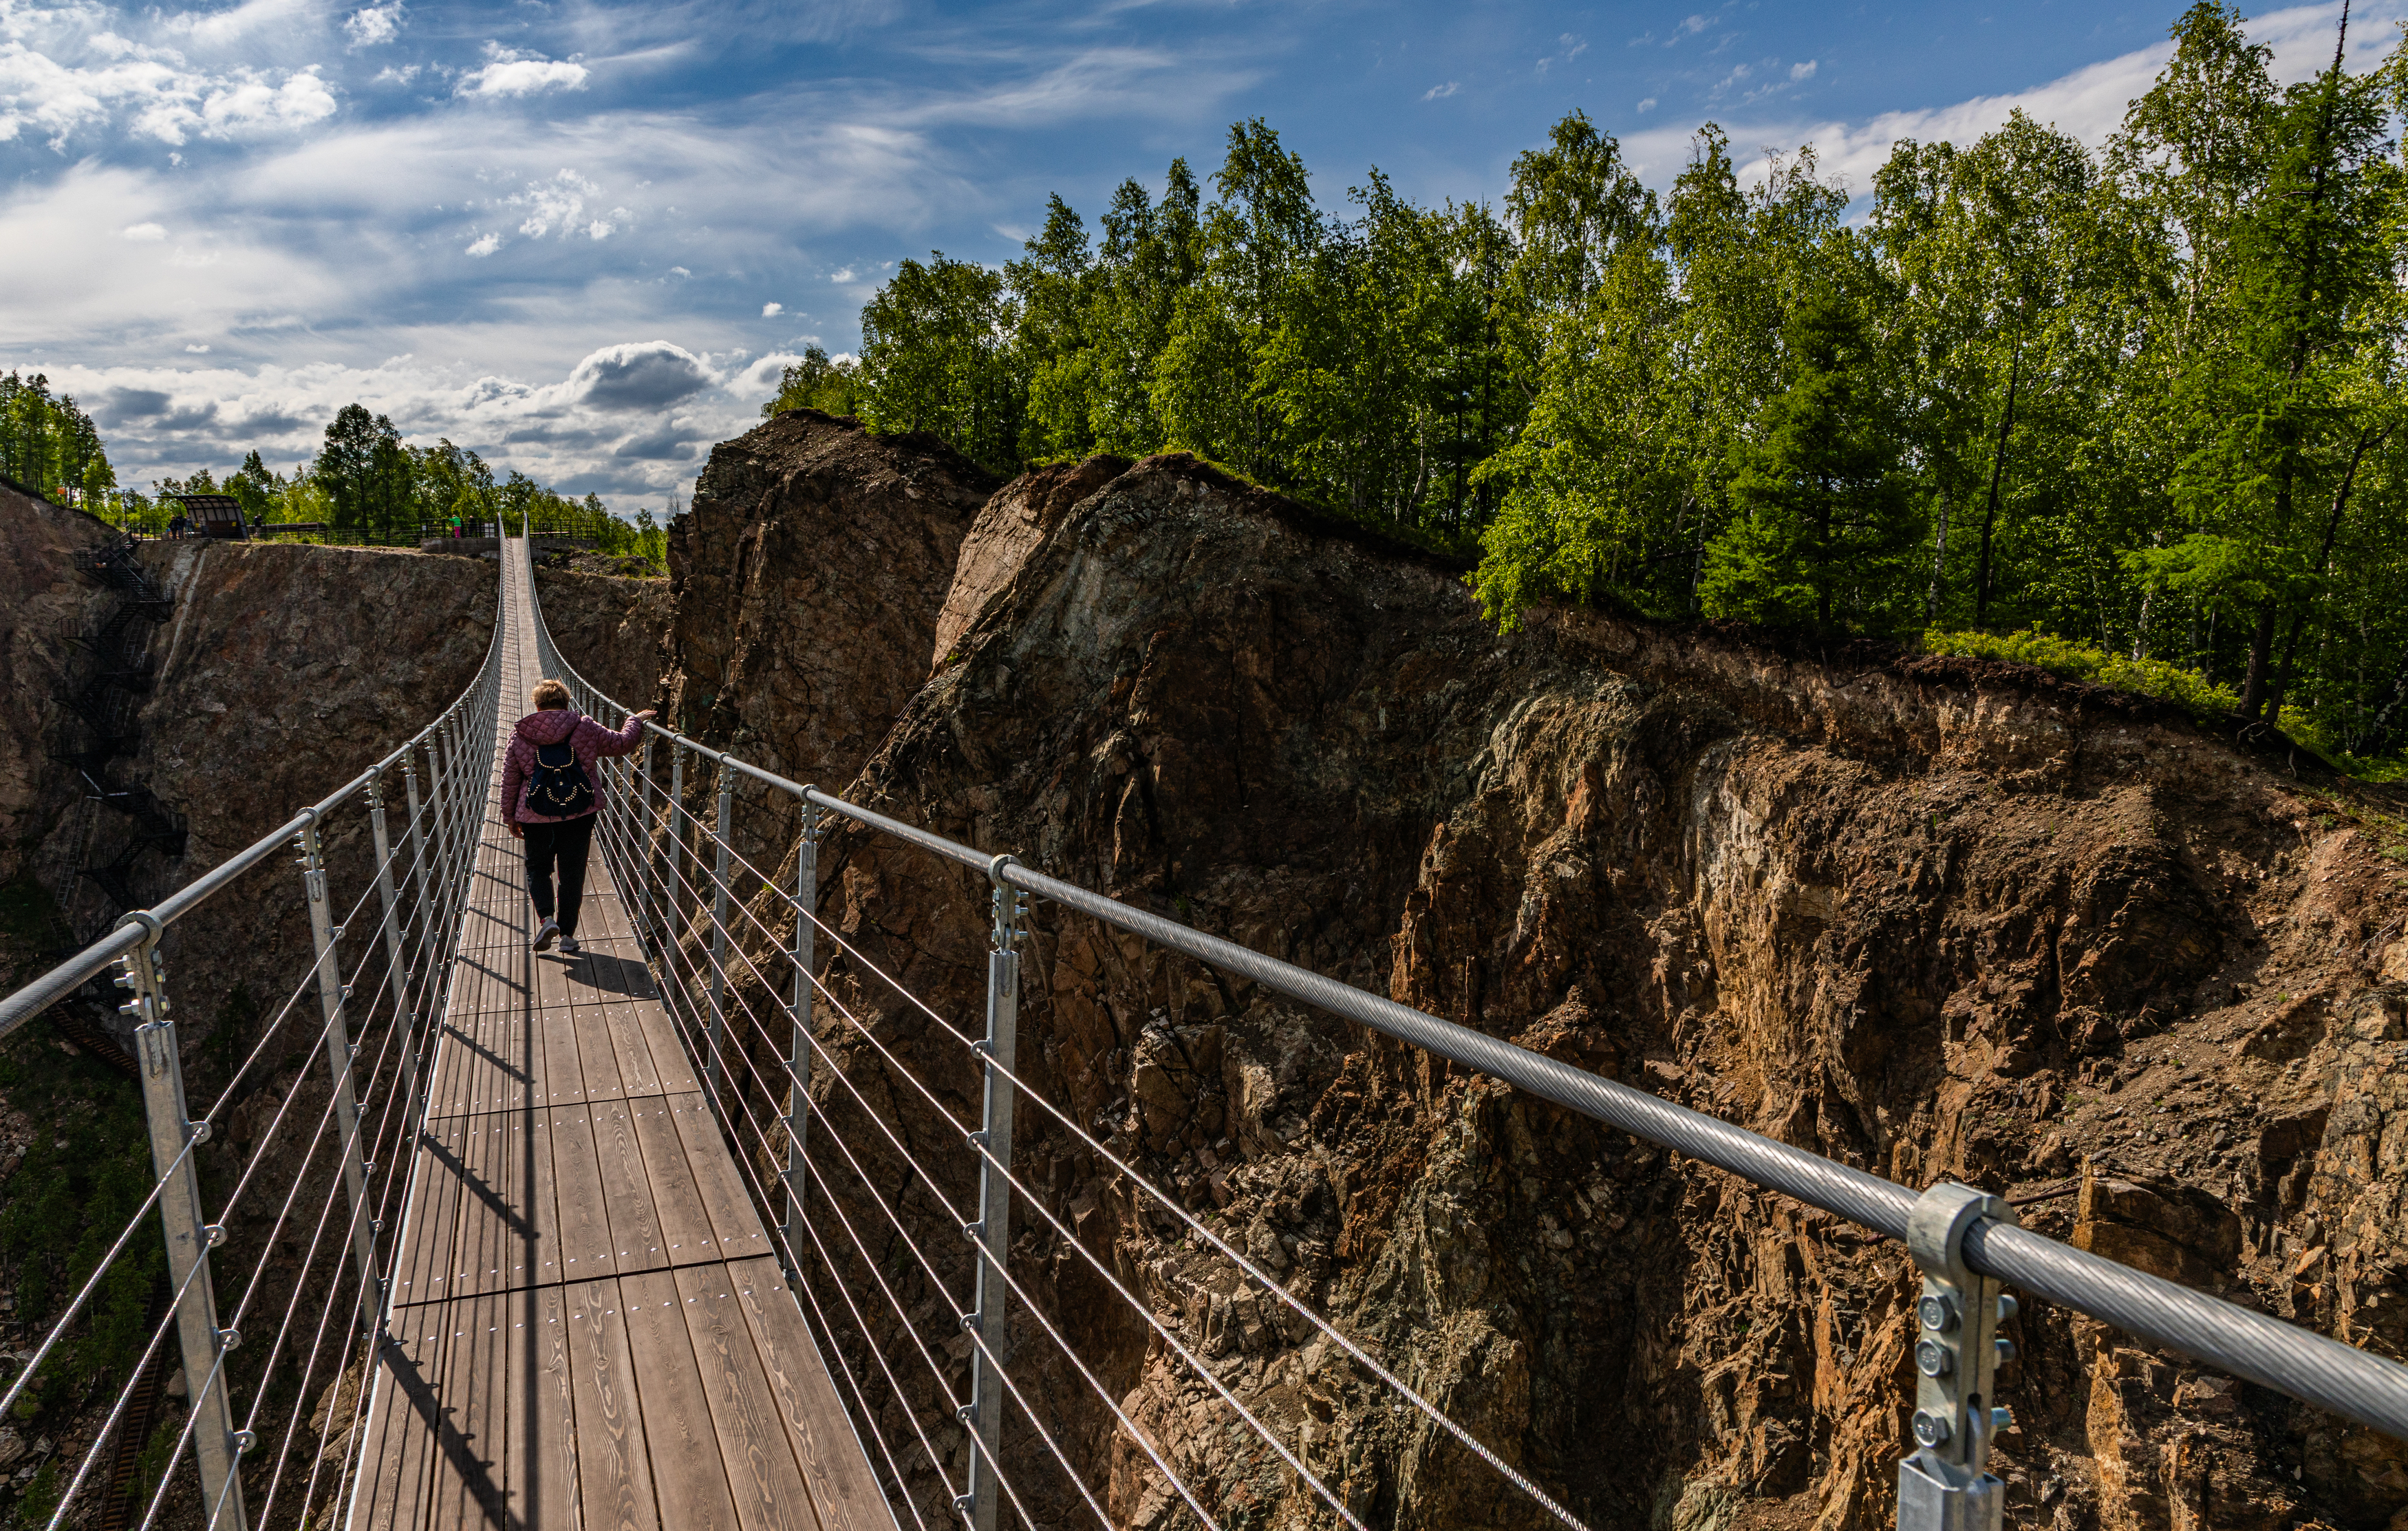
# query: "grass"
[[2186, 688]]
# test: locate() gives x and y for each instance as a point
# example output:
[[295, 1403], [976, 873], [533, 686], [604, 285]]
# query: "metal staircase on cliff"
[[812, 1287]]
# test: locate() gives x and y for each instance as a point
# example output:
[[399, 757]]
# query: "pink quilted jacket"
[[588, 740]]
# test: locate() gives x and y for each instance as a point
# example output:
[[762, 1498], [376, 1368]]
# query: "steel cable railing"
[[383, 964], [699, 932]]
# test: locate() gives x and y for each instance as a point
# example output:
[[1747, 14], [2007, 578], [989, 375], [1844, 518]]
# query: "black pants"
[[568, 842]]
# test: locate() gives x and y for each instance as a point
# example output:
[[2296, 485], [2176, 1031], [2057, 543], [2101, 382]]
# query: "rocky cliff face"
[[45, 605], [1930, 918], [610, 627]]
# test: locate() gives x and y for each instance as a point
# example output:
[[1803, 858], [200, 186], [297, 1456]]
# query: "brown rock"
[[2177, 1232]]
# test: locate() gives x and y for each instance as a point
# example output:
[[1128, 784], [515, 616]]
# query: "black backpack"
[[559, 789]]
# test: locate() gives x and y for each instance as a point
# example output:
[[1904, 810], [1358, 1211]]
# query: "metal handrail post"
[[798, 1040], [331, 995], [675, 850], [217, 1447], [639, 823], [405, 1007], [722, 832], [992, 1232]]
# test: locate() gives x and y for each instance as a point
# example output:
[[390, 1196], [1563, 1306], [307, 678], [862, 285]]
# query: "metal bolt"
[[1937, 1312], [2002, 1419], [1932, 1358], [2006, 1307], [2006, 1350], [1930, 1429]]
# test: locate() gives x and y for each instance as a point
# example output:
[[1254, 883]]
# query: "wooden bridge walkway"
[[589, 1325]]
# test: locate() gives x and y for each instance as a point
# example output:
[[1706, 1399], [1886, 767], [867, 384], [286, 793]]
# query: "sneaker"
[[544, 937], [569, 944]]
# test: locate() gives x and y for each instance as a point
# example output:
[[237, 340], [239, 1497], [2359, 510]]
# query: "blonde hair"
[[549, 694]]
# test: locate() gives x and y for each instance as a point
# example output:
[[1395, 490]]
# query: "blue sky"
[[581, 238]]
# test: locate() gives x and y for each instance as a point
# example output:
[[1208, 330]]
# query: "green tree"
[[816, 382], [1824, 512]]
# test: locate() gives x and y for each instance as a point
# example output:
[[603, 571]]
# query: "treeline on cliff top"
[[365, 482], [2133, 413]]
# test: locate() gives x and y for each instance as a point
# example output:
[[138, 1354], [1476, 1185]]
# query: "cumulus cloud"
[[374, 24], [485, 245], [1799, 73], [771, 309], [145, 233], [652, 374], [509, 72]]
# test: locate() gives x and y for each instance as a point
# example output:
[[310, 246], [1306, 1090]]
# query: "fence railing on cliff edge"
[[702, 931], [380, 965]]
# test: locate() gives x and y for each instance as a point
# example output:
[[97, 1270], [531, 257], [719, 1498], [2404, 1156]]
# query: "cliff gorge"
[[1928, 917]]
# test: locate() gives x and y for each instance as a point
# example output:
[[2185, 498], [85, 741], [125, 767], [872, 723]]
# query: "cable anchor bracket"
[[1945, 1485]]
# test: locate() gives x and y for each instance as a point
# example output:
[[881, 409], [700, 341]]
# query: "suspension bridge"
[[575, 1251]]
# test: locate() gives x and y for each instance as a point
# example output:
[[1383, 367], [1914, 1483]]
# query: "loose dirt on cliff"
[[1929, 919]]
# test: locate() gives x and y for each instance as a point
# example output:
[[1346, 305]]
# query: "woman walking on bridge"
[[548, 793]]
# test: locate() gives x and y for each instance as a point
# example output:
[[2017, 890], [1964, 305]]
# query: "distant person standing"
[[455, 525], [550, 800], [176, 524]]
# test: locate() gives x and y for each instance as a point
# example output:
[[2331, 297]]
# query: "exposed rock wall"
[[610, 628], [45, 603], [808, 578], [1926, 917]]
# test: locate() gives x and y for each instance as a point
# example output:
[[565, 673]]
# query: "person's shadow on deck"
[[608, 975]]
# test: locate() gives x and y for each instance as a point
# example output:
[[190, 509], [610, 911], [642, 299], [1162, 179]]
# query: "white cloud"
[[1801, 72], [512, 73], [374, 24], [198, 350], [1647, 105], [485, 245], [844, 276], [145, 232], [560, 204], [1690, 26], [1567, 48], [771, 309], [1440, 93]]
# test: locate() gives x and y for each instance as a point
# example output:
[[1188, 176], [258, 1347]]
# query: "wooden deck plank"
[[687, 1228], [626, 1187], [689, 1481], [754, 1445], [734, 1222], [614, 1472], [843, 1486], [541, 1466]]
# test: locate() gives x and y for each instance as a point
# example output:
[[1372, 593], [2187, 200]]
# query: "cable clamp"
[[974, 1231], [229, 1339], [979, 1139], [243, 1442], [1945, 1485], [198, 1132]]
